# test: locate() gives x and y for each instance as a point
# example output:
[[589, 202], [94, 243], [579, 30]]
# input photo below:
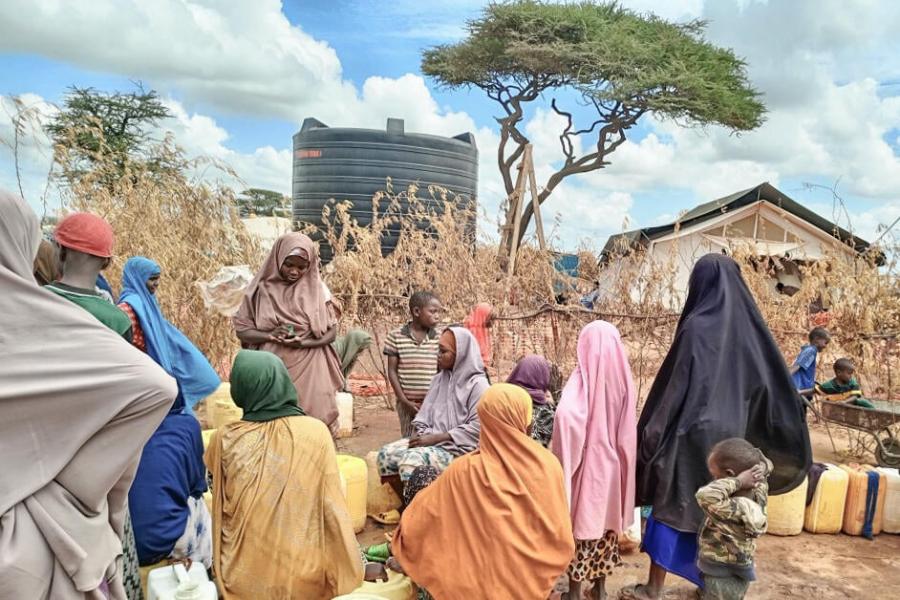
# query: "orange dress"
[[496, 523]]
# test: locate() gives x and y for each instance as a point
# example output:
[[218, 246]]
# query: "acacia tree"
[[110, 129], [262, 202], [605, 61]]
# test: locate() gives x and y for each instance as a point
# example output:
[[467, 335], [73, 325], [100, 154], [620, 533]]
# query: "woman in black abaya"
[[724, 377]]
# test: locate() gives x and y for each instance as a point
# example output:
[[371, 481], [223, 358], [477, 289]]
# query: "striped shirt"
[[417, 363]]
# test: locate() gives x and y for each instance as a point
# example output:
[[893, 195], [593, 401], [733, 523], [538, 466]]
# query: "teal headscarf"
[[262, 387]]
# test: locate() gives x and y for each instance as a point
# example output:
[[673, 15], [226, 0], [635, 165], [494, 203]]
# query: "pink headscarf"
[[595, 435]]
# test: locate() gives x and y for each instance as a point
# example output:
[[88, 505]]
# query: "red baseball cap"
[[86, 233]]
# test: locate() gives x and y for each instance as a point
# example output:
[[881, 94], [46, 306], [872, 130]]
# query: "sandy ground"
[[803, 567]]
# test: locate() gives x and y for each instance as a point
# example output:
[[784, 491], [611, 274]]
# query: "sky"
[[240, 76]]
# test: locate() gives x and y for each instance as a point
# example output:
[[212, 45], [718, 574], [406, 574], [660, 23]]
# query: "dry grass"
[[192, 230], [189, 228]]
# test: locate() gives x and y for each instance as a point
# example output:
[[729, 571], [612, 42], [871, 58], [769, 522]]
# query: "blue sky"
[[241, 75]]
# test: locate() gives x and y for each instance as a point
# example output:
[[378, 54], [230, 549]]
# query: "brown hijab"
[[46, 269], [271, 301]]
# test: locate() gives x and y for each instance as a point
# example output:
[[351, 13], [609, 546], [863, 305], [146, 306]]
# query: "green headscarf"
[[261, 386]]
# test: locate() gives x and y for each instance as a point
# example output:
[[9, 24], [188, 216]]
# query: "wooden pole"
[[535, 205], [516, 204]]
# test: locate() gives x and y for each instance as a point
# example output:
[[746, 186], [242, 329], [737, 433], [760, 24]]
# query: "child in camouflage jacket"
[[735, 508]]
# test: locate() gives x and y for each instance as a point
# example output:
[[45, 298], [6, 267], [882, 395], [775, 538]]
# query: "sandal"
[[391, 517]]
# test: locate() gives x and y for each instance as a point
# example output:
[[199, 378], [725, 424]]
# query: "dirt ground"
[[807, 566]]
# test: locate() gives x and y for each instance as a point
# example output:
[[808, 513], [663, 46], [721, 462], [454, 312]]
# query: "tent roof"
[[638, 238]]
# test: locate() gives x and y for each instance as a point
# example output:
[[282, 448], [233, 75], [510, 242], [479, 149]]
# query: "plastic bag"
[[224, 293]]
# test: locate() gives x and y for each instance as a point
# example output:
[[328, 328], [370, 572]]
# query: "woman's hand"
[[280, 333], [428, 440], [293, 342]]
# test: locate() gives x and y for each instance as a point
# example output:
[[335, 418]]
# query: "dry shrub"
[[190, 229]]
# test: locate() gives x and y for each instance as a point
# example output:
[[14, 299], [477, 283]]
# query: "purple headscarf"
[[532, 373]]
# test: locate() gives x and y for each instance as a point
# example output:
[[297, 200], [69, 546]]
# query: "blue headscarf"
[[165, 344]]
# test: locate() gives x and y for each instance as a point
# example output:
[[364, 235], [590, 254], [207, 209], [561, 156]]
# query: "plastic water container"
[[855, 509], [175, 583], [825, 514], [380, 497], [355, 475], [397, 587], [891, 518], [786, 511], [630, 540], [207, 436], [345, 414]]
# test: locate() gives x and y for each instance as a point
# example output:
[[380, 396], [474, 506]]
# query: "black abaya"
[[724, 377]]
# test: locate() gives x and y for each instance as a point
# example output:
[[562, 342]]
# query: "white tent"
[[761, 219]]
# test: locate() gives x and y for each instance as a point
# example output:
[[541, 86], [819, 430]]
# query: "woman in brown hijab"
[[46, 269], [286, 311]]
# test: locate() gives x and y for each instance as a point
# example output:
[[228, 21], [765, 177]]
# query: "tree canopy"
[[262, 202], [95, 128], [616, 64]]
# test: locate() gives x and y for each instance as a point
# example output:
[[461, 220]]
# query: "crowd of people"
[[506, 491]]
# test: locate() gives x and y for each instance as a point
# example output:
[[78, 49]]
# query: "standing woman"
[[595, 439], [724, 377], [479, 322], [286, 312], [169, 516], [156, 336], [532, 374], [77, 404]]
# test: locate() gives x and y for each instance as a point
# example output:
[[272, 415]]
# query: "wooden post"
[[516, 205], [535, 205]]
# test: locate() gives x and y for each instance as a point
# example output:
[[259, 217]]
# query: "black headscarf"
[[723, 377]]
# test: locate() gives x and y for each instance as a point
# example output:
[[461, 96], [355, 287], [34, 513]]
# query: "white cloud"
[[819, 64]]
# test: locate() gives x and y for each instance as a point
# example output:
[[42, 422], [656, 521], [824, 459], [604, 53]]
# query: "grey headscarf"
[[451, 402], [77, 404]]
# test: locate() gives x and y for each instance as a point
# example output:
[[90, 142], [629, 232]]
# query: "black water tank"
[[353, 164]]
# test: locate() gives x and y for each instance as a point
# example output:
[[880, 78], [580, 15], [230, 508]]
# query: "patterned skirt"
[[595, 559], [131, 576]]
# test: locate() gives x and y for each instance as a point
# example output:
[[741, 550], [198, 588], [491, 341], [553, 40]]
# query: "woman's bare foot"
[[598, 591]]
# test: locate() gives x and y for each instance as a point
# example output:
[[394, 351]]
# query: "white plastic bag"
[[224, 293]]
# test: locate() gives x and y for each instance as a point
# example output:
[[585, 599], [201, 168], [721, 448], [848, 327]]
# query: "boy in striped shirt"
[[412, 357]]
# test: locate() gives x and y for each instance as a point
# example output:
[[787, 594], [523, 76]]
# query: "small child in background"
[[735, 508], [412, 357], [844, 387], [804, 368]]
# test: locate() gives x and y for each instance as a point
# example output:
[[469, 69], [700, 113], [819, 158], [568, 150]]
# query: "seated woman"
[[532, 374], [281, 528], [447, 424], [168, 513], [495, 524], [287, 311]]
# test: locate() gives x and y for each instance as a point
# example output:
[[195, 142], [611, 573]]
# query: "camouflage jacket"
[[732, 524]]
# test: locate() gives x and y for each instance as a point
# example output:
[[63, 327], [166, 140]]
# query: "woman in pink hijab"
[[287, 311], [595, 439]]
